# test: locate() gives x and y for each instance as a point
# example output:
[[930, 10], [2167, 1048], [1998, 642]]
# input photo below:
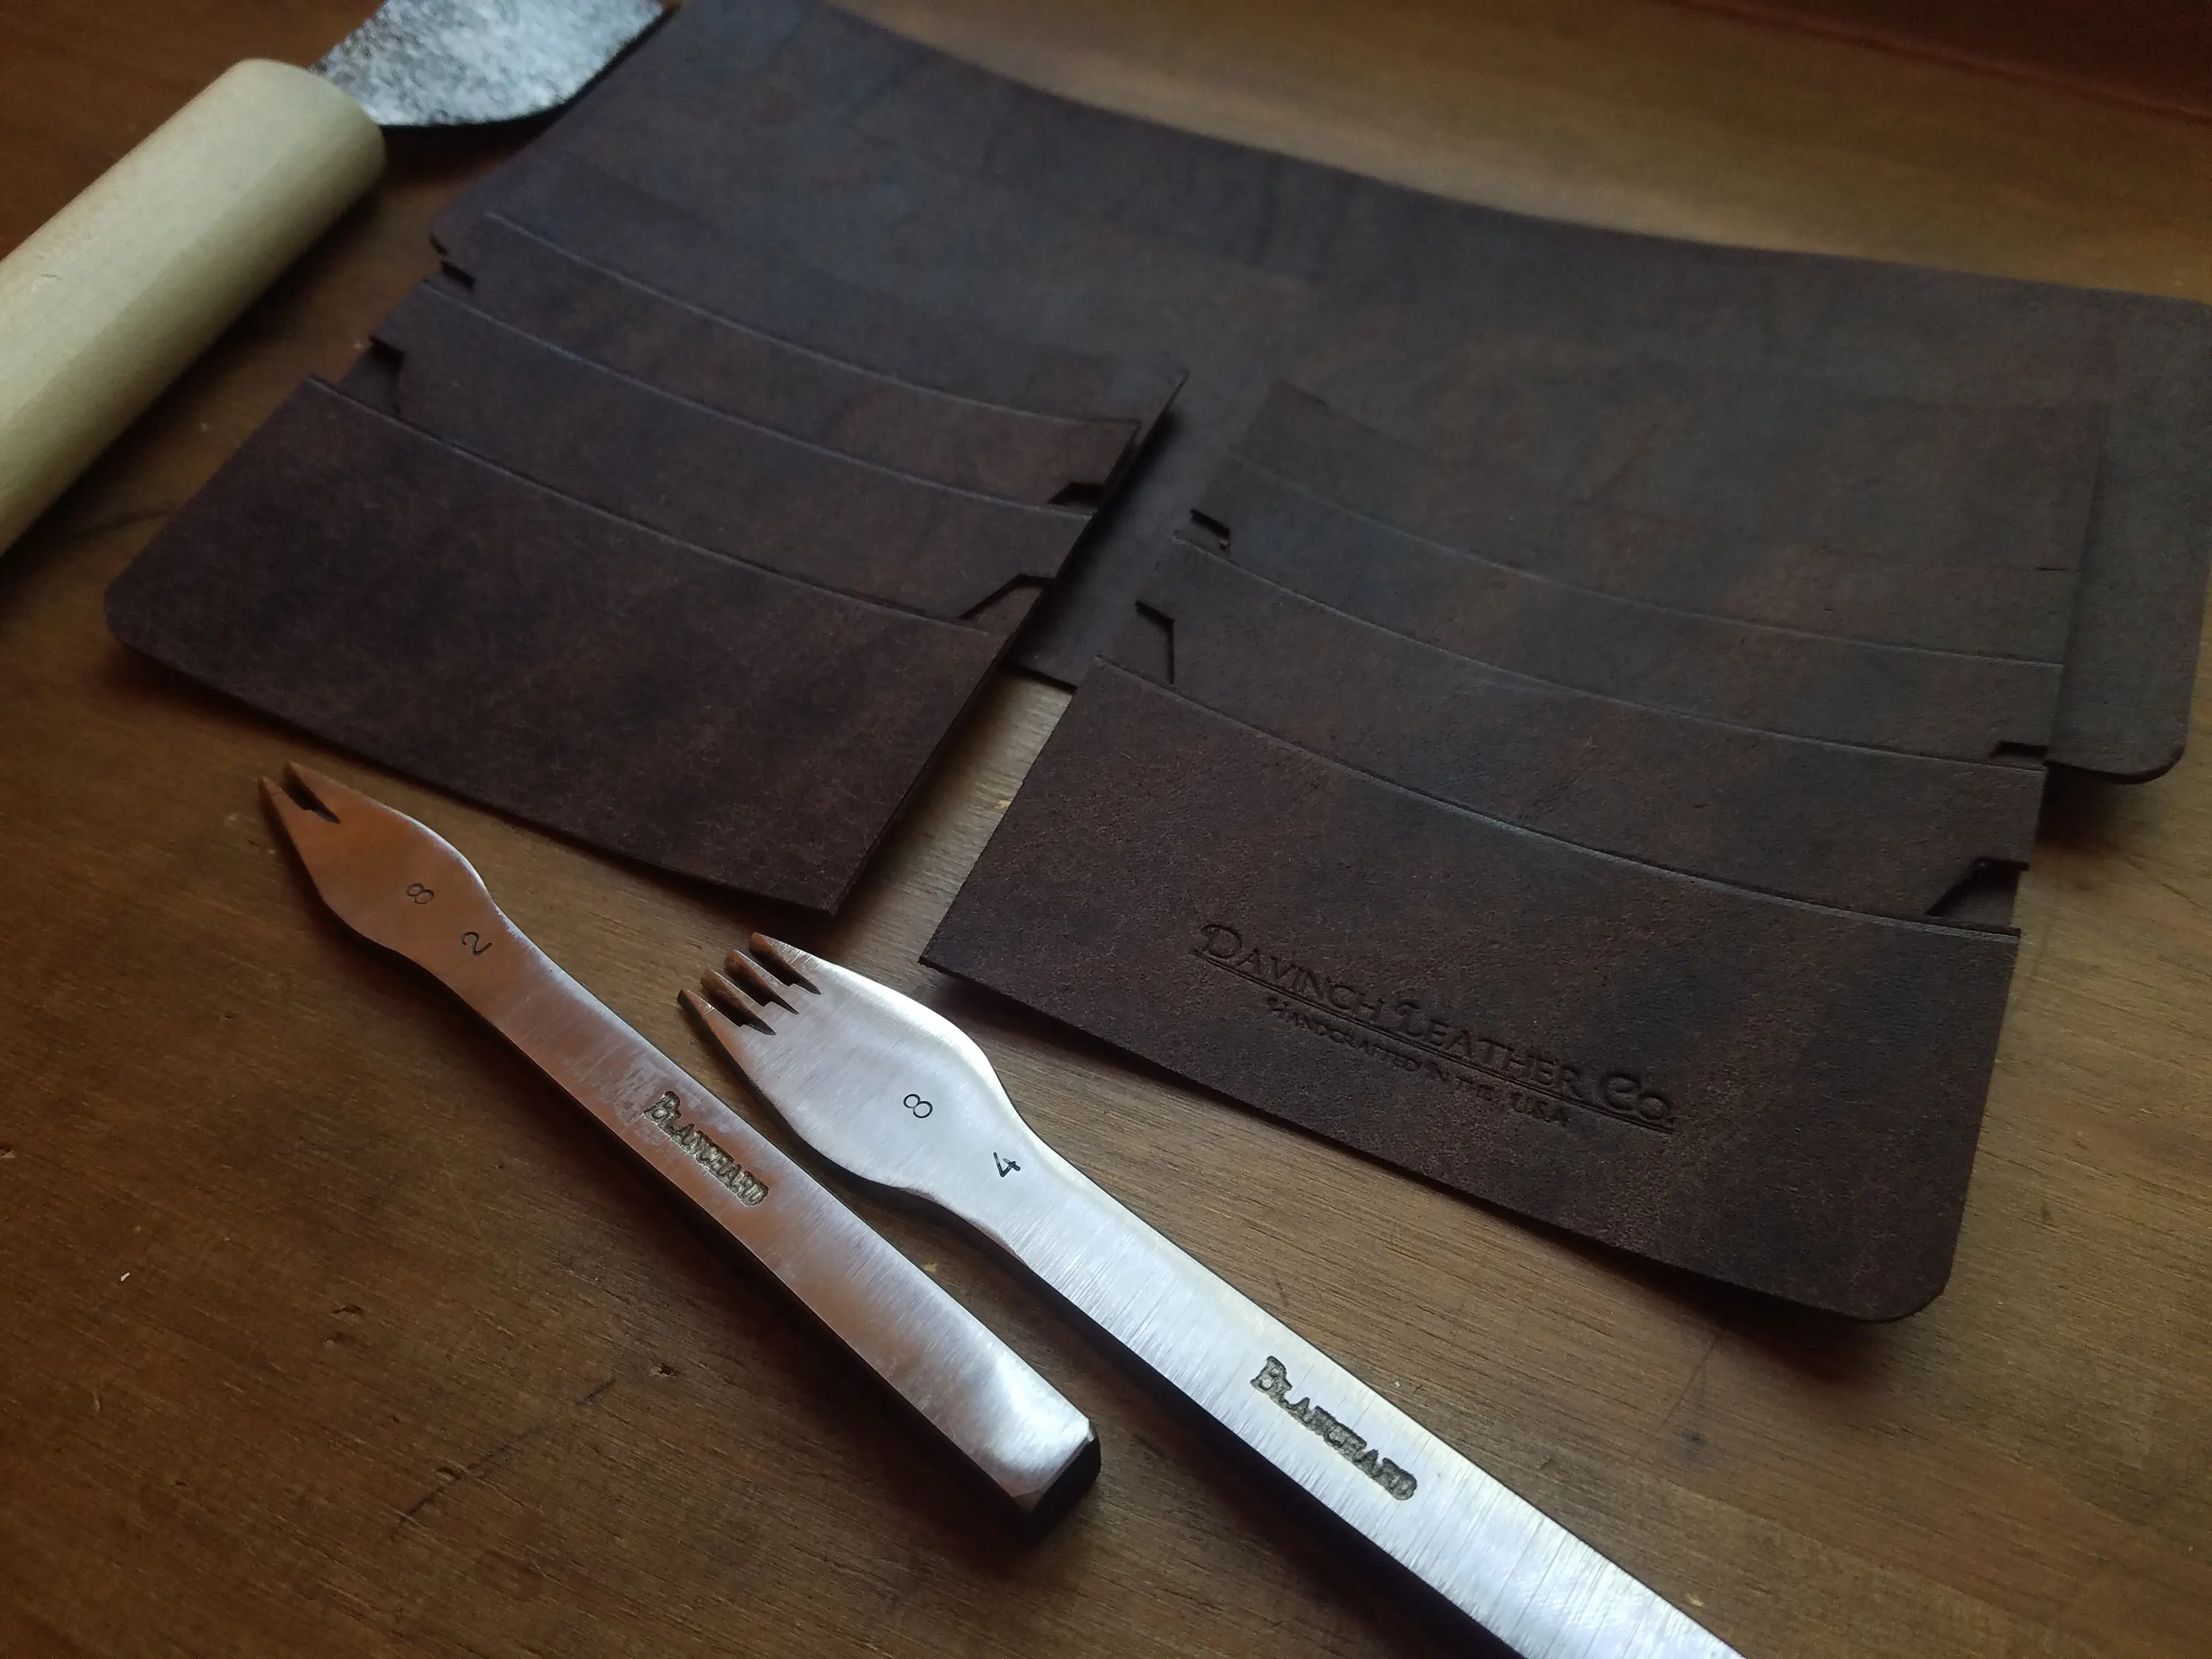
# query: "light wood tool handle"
[[108, 300]]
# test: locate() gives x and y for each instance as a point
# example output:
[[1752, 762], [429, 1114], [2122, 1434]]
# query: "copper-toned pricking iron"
[[898, 1094], [399, 884]]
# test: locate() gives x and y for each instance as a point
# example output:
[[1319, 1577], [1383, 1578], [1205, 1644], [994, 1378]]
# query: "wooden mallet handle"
[[108, 302]]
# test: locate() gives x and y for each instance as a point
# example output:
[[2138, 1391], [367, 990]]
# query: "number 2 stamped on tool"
[[472, 941]]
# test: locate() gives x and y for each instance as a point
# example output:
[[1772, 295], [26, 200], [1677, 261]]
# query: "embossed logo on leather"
[[668, 1113], [1396, 1030], [1274, 1381]]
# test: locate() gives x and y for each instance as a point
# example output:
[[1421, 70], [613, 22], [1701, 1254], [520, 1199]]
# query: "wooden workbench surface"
[[327, 1328]]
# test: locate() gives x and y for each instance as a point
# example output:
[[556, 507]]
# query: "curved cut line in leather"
[[2028, 754], [708, 410], [1670, 872], [722, 320], [630, 524], [1550, 581]]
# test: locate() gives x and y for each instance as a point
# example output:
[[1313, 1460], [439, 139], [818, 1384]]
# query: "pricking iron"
[[895, 1094], [399, 885]]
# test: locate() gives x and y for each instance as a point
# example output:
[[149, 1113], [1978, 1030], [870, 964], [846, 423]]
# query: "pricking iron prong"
[[725, 1032], [725, 996], [296, 804], [289, 813], [777, 959], [756, 984]]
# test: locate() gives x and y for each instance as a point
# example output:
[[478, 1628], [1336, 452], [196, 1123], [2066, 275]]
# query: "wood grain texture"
[[2146, 49], [329, 1329]]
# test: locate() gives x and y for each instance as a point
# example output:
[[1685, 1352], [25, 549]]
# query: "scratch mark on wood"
[[448, 1475], [1697, 1372]]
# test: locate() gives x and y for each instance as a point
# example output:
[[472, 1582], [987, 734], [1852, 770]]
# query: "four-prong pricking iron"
[[400, 885], [897, 1094]]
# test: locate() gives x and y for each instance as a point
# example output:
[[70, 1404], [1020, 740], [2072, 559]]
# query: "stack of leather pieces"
[[750, 125], [1582, 756], [1647, 875], [705, 587]]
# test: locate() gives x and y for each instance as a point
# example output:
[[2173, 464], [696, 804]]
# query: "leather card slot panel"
[[458, 623], [2019, 610], [1855, 828], [990, 448], [1782, 1095], [1941, 704], [1770, 455], [710, 479], [567, 204]]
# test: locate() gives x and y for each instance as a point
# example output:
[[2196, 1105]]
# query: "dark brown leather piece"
[[727, 485], [695, 132], [1778, 1094], [1974, 709], [2145, 362], [1778, 457], [2017, 602], [896, 169], [453, 621], [1097, 298], [758, 285], [1945, 704], [1019, 454], [1863, 829]]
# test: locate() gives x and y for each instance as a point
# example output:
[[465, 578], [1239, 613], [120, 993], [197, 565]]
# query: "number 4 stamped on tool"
[[920, 1108]]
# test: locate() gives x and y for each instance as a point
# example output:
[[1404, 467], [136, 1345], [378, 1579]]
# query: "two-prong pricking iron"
[[398, 883], [897, 1094]]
